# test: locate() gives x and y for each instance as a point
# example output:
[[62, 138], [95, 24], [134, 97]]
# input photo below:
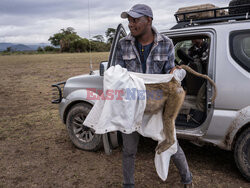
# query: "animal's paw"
[[163, 146]]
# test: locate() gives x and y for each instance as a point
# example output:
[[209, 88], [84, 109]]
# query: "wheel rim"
[[82, 132]]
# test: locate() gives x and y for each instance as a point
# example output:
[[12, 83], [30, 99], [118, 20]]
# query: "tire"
[[242, 153], [239, 10], [82, 136]]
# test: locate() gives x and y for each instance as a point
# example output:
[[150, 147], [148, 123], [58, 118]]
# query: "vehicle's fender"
[[81, 95], [242, 119], [227, 123]]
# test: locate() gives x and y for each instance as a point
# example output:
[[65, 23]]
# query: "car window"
[[246, 46], [240, 48], [120, 33]]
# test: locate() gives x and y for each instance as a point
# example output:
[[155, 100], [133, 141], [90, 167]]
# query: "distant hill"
[[3, 46], [35, 46], [21, 47]]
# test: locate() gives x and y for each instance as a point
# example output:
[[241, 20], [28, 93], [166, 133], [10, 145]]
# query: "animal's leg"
[[171, 110]]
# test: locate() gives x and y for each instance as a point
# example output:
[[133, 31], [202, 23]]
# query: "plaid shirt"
[[160, 59]]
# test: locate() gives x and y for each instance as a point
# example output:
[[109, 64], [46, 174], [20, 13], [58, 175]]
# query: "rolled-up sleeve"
[[171, 56]]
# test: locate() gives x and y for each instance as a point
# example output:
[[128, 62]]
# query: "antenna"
[[90, 54]]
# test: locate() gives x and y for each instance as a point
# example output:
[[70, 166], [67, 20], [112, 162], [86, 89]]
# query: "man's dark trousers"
[[130, 144]]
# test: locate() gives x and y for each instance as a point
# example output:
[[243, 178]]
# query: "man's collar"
[[157, 36]]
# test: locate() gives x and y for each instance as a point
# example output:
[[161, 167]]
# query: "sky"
[[32, 21]]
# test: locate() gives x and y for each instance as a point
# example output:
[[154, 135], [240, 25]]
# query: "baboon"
[[171, 101]]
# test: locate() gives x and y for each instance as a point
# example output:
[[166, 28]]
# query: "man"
[[144, 50], [199, 53]]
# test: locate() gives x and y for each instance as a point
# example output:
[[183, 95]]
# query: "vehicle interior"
[[194, 52]]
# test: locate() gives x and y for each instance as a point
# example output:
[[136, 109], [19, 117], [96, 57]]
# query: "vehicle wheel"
[[242, 153], [240, 9], [82, 136]]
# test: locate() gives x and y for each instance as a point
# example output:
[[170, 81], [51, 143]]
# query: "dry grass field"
[[35, 150]]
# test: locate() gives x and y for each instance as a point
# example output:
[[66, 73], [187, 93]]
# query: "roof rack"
[[212, 15]]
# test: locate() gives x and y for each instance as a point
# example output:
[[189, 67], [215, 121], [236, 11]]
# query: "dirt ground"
[[35, 150]]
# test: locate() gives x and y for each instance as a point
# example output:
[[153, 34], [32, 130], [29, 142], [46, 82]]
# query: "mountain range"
[[21, 47]]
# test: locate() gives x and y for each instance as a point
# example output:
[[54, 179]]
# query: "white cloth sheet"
[[127, 115]]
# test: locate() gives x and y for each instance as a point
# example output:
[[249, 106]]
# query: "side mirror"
[[103, 67]]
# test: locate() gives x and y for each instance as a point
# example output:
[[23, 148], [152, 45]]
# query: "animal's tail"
[[187, 68]]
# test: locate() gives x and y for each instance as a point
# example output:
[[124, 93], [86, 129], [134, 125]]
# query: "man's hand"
[[176, 67]]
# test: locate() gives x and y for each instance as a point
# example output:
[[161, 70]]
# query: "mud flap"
[[110, 142], [106, 144]]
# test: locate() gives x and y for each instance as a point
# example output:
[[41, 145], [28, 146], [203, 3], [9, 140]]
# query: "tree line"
[[69, 41]]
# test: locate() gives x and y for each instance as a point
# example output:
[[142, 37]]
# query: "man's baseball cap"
[[138, 11]]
